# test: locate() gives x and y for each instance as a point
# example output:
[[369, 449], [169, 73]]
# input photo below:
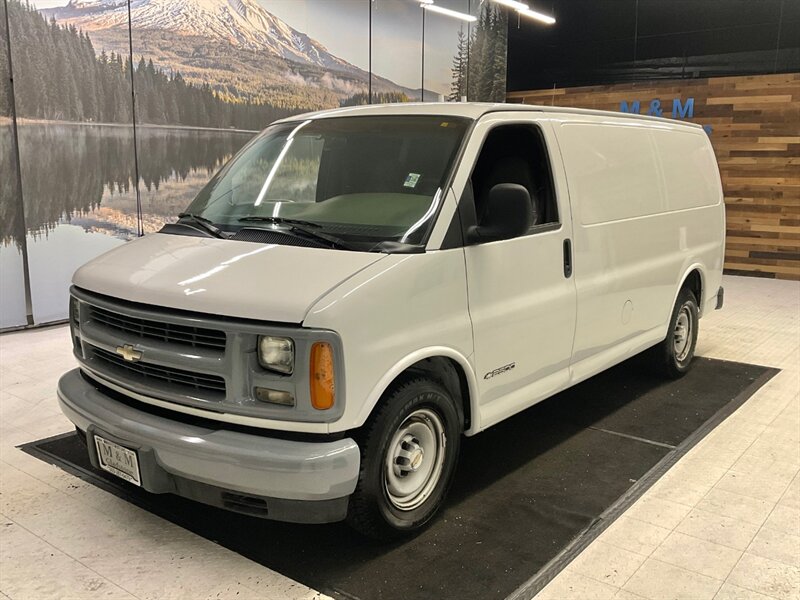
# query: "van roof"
[[471, 110]]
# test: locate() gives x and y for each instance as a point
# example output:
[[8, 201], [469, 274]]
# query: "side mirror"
[[508, 215]]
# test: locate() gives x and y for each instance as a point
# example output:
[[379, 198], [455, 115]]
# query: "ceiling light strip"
[[513, 4], [532, 14], [447, 12]]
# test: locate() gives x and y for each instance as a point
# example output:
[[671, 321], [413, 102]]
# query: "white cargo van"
[[357, 289]]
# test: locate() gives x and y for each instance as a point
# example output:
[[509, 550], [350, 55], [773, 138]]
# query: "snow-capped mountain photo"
[[237, 47], [236, 63], [244, 24]]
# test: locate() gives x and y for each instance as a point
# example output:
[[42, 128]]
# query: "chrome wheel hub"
[[408, 456], [682, 335], [415, 459]]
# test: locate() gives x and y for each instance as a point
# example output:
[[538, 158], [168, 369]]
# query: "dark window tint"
[[515, 154]]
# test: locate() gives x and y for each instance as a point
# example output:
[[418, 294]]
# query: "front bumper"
[[279, 479]]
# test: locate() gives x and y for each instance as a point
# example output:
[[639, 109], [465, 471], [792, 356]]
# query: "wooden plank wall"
[[755, 124]]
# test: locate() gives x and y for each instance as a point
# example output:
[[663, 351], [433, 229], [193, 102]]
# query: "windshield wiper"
[[306, 228], [279, 220], [205, 224]]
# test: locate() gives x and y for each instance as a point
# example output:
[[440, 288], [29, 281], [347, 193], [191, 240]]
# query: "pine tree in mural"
[[5, 76], [499, 57], [486, 60], [458, 88], [362, 98]]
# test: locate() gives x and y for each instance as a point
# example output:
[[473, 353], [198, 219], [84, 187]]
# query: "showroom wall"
[[97, 165], [753, 124], [730, 65]]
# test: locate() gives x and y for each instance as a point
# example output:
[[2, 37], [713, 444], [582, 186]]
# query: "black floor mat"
[[523, 491]]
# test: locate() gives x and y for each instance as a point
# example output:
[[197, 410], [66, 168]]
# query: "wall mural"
[[207, 74], [13, 309]]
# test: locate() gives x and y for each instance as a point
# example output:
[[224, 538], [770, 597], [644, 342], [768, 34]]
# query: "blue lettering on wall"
[[680, 109], [634, 107], [655, 108], [685, 111]]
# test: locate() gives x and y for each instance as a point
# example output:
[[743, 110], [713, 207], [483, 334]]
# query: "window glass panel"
[[515, 154], [372, 178]]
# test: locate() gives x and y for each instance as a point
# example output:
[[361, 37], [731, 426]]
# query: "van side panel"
[[688, 167], [612, 171], [691, 181], [647, 208]]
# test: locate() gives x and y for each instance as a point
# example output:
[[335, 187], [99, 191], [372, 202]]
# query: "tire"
[[672, 358], [409, 452]]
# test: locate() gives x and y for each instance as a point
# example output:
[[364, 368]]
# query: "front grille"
[[155, 374], [196, 337]]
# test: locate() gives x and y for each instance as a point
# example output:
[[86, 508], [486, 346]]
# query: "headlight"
[[276, 354]]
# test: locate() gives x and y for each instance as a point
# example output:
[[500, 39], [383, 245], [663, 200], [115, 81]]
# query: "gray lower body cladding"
[[287, 480]]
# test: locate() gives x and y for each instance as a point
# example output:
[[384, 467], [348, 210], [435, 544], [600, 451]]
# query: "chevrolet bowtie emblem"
[[129, 353]]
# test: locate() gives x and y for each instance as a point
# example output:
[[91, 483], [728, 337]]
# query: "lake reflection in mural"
[[13, 310], [80, 198]]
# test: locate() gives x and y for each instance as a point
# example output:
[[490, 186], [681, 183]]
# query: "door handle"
[[567, 259]]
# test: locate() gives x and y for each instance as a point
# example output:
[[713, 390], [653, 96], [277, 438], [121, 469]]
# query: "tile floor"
[[724, 523]]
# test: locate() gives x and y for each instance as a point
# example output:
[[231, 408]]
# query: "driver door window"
[[515, 154]]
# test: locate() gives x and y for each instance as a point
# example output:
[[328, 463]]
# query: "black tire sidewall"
[[420, 393], [685, 298]]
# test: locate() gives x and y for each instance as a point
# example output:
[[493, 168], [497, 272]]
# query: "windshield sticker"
[[411, 180]]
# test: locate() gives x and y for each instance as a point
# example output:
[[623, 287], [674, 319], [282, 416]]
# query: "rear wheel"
[[673, 357], [409, 452]]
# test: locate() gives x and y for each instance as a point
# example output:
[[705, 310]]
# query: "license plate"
[[118, 460]]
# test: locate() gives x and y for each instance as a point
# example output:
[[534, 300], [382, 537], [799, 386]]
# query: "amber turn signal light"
[[322, 378]]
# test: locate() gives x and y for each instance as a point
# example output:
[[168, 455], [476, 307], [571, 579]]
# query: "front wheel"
[[673, 356], [409, 452]]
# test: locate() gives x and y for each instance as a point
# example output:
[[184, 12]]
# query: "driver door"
[[522, 298]]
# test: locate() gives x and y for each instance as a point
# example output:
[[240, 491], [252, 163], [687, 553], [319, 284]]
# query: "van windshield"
[[361, 180]]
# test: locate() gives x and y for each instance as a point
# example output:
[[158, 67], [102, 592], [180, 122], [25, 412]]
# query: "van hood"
[[221, 277]]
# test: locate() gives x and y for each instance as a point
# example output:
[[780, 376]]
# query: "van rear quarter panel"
[[647, 209]]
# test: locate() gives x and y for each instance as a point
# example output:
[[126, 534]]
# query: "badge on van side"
[[500, 370]]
